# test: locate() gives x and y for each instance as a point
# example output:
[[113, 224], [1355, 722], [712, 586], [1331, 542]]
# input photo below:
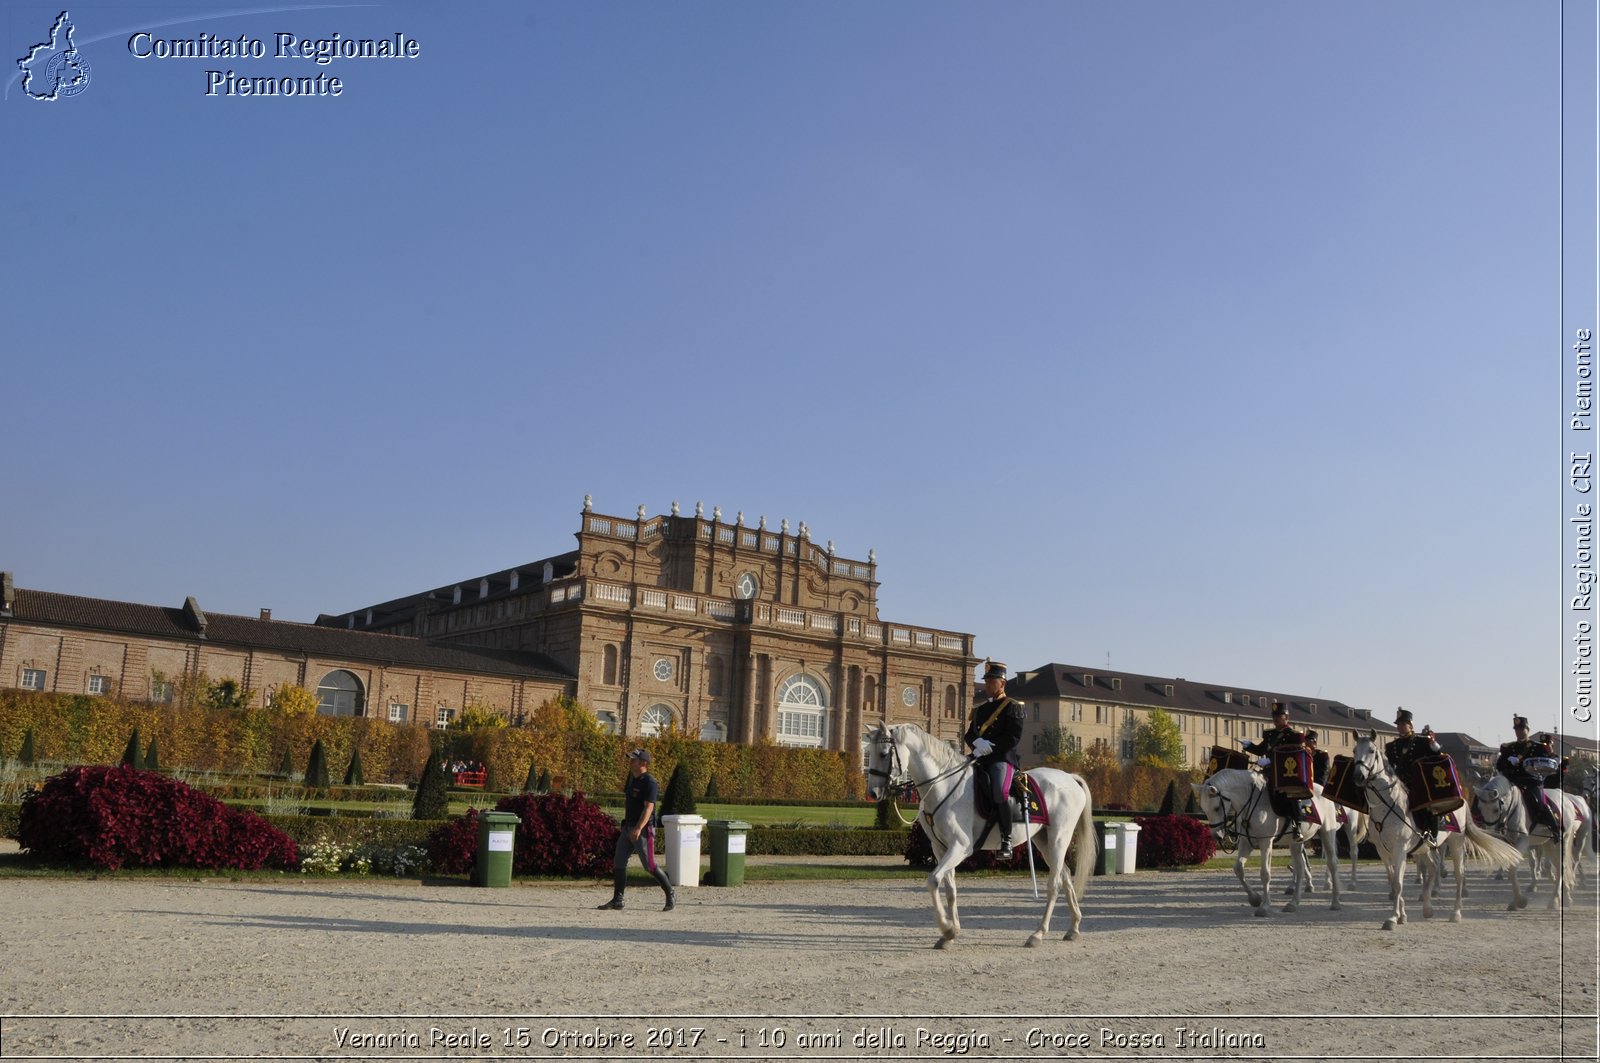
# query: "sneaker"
[[613, 905]]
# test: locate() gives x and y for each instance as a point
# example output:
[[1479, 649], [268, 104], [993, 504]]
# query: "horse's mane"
[[937, 748]]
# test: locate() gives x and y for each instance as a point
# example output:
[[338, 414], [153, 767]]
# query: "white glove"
[[1263, 762], [982, 747], [1513, 760]]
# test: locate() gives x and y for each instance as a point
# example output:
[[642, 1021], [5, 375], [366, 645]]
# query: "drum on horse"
[[1237, 807], [1500, 805], [907, 755], [1395, 834]]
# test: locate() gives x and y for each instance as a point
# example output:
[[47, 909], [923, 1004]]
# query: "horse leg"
[[1514, 874], [1264, 907], [1458, 859], [1428, 864], [1330, 853], [1395, 865], [942, 888], [1057, 863], [1300, 869], [1238, 870]]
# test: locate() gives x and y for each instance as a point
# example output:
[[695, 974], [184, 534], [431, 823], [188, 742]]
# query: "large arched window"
[[339, 694], [802, 712], [656, 719]]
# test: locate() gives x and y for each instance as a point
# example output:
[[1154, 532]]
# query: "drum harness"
[[1367, 779]]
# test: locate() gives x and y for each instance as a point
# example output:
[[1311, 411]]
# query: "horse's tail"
[[1481, 845], [1086, 843]]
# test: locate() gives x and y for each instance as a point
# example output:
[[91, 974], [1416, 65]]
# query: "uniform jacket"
[[1275, 737], [1319, 766], [1404, 752], [1004, 733]]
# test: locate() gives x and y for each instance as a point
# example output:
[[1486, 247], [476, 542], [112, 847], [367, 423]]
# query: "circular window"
[[909, 695], [663, 669], [748, 587]]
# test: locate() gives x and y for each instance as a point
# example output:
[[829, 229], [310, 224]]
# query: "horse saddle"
[[1017, 795]]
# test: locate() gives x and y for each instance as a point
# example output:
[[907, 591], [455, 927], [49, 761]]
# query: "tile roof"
[[1068, 681], [282, 636]]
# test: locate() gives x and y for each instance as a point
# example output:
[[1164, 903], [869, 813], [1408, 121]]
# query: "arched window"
[[950, 703], [609, 669], [339, 694], [869, 693], [802, 712], [656, 719]]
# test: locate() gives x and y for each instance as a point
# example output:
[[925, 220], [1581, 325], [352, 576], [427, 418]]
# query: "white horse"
[[1354, 829], [907, 754], [1236, 805], [1505, 813], [1395, 834]]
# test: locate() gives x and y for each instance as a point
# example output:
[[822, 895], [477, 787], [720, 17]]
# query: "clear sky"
[[1207, 340]]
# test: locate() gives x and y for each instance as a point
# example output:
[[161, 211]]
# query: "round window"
[[909, 695], [747, 586], [663, 669]]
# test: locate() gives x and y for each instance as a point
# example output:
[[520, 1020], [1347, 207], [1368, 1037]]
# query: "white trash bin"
[[683, 849], [1127, 853]]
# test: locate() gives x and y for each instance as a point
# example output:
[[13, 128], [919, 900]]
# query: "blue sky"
[[1219, 341]]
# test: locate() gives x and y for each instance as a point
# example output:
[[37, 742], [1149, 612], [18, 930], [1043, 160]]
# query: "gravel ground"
[[1170, 965]]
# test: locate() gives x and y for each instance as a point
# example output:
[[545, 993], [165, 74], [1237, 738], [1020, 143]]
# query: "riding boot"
[[666, 887], [1005, 826], [619, 883]]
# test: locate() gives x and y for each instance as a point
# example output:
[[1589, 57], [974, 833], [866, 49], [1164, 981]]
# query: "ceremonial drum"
[[1539, 767], [1434, 787], [1223, 757], [1291, 771], [1341, 786]]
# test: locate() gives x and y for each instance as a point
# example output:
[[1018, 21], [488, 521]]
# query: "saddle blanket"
[[1037, 812]]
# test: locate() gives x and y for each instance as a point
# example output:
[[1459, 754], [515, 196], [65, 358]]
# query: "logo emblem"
[[55, 69]]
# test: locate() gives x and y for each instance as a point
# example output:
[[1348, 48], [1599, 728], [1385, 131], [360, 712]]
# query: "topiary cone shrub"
[[352, 774], [317, 767], [152, 757], [132, 755], [678, 798], [433, 790], [26, 755], [557, 835], [530, 784], [1174, 841], [114, 817]]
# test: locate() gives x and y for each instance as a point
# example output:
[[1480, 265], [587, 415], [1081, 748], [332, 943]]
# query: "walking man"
[[638, 831]]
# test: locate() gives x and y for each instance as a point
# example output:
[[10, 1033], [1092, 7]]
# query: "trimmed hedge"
[[10, 820], [352, 830], [824, 841]]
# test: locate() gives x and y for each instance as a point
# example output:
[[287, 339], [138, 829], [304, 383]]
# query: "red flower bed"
[[111, 817], [557, 835], [1174, 841]]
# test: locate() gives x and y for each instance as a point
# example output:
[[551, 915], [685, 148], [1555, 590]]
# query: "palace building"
[[723, 630]]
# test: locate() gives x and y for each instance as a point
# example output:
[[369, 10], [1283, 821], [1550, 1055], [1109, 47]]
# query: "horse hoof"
[[1261, 912], [1400, 919], [1032, 942], [1455, 917], [1520, 902], [1071, 935], [944, 942], [1388, 924], [1335, 907], [1291, 907]]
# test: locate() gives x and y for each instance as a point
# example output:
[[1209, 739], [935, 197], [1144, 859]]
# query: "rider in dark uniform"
[[1279, 734], [993, 735], [1509, 764], [1319, 759], [1405, 751]]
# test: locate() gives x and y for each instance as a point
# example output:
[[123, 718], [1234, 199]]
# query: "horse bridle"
[[899, 771], [1229, 824], [1362, 776]]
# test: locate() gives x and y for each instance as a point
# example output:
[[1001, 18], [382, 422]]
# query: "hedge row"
[[824, 841]]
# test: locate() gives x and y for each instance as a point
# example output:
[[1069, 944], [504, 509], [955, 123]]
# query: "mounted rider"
[[1279, 735], [1319, 759], [1403, 752], [993, 735], [1511, 764]]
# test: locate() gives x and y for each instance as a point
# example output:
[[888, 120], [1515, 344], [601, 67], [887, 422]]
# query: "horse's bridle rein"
[[1229, 824], [898, 771], [1368, 778]]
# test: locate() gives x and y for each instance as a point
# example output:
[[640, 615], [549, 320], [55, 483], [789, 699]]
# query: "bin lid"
[[730, 824], [501, 818]]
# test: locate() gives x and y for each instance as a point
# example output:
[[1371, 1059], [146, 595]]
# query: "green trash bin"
[[1106, 855], [727, 852], [497, 835]]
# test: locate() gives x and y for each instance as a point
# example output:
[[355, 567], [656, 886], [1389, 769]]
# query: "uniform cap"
[[1311, 736], [1279, 709], [1518, 721], [640, 754], [1402, 716], [993, 670]]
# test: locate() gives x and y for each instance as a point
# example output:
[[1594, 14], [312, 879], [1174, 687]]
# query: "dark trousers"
[[645, 849], [996, 773]]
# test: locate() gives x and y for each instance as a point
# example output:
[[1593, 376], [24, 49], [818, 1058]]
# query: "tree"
[[286, 765], [530, 785], [26, 756], [317, 767], [293, 702], [711, 788], [152, 756], [1158, 742], [226, 694], [1169, 803], [433, 790], [475, 715], [352, 774], [132, 755], [679, 798], [544, 781]]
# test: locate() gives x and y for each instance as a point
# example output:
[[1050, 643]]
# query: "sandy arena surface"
[[209, 969]]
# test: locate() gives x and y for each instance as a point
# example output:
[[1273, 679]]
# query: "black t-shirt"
[[639, 792]]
